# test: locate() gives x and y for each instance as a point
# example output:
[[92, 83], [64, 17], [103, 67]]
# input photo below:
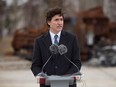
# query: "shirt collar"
[[52, 34]]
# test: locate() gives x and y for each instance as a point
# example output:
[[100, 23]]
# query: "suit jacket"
[[58, 64]]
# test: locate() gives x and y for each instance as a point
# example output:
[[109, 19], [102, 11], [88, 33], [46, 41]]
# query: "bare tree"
[[2, 17], [34, 13], [110, 9]]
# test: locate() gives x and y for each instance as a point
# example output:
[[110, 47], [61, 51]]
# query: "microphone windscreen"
[[53, 49], [62, 49]]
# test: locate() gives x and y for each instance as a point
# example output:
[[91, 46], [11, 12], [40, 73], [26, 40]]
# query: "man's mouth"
[[59, 26]]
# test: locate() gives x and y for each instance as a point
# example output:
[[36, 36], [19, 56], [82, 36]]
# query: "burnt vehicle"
[[24, 38]]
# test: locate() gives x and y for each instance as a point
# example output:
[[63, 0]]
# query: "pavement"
[[99, 76]]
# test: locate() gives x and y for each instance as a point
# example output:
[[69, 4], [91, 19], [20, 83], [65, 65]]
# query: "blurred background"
[[92, 21]]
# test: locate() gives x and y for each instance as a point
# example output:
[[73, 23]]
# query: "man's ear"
[[48, 22]]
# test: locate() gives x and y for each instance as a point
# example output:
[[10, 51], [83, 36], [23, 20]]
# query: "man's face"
[[56, 23]]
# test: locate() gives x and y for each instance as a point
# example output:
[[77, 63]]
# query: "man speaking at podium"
[[49, 60]]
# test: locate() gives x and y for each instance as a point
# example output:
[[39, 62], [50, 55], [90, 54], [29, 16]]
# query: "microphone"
[[54, 50], [62, 49]]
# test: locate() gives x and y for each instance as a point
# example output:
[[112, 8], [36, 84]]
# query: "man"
[[58, 64]]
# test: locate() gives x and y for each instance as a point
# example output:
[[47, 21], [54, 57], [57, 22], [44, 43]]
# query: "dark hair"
[[52, 12]]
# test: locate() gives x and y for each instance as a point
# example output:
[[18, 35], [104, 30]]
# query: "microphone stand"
[[46, 62], [42, 72], [62, 51], [77, 73]]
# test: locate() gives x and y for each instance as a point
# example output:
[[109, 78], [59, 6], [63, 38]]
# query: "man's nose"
[[60, 22]]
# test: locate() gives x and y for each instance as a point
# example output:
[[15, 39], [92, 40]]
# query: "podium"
[[59, 81]]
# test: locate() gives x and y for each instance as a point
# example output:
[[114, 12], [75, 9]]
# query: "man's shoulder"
[[42, 36], [68, 34]]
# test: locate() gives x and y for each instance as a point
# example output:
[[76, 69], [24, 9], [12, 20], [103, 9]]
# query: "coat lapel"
[[63, 38], [47, 40]]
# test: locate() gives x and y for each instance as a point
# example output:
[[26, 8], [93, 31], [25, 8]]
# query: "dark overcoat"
[[58, 64]]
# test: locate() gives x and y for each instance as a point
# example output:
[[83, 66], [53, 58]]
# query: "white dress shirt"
[[52, 36]]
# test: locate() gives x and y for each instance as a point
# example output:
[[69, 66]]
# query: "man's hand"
[[41, 74]]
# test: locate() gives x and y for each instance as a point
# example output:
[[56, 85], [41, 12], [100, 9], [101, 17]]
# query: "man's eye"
[[61, 19], [56, 19]]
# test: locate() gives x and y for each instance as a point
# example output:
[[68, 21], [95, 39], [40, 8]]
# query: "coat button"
[[56, 67]]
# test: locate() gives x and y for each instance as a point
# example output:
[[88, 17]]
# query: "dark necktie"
[[55, 39]]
